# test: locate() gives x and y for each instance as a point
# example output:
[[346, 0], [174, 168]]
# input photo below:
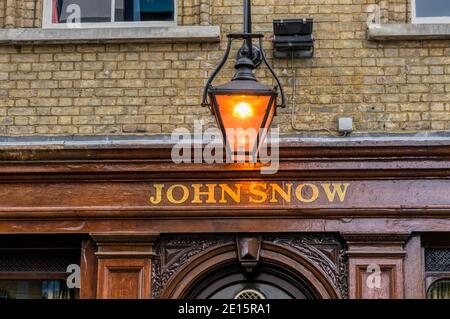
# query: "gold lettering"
[[280, 191], [314, 195], [210, 193], [236, 196], [337, 189], [158, 194], [183, 198], [258, 193], [255, 189]]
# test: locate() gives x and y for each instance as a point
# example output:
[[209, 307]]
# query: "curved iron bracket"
[[205, 102], [279, 86], [242, 36]]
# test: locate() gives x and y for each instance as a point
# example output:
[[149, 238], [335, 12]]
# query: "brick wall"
[[20, 13], [2, 13], [153, 88], [194, 12], [399, 11]]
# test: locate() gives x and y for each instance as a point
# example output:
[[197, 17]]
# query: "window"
[[108, 13], [36, 267], [36, 289], [437, 267], [439, 290], [430, 11]]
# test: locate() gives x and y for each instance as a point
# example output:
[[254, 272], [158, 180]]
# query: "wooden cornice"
[[134, 238], [152, 160], [161, 152]]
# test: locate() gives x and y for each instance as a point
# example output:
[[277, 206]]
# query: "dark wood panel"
[[376, 265], [88, 267], [124, 264], [124, 279], [225, 225], [387, 288], [281, 198], [162, 151], [415, 268]]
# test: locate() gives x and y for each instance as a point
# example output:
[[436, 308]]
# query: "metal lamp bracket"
[[256, 55], [259, 57]]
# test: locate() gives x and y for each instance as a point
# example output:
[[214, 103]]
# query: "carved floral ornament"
[[175, 254]]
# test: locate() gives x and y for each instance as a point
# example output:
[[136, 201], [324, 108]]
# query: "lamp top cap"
[[244, 87]]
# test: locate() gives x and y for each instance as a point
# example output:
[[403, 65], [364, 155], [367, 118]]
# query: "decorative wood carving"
[[249, 249], [172, 253], [324, 251]]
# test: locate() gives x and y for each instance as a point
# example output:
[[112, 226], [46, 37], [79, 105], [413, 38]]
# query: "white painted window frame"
[[47, 20], [426, 20]]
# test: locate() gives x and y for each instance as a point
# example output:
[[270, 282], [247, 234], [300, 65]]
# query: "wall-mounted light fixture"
[[293, 38], [244, 108]]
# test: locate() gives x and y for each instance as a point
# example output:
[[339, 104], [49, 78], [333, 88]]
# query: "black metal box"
[[293, 38], [286, 27]]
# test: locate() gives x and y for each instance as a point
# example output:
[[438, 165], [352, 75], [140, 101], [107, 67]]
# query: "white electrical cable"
[[294, 106]]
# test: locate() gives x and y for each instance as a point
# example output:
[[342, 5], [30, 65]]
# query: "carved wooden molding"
[[376, 237], [376, 265], [172, 253], [124, 279], [124, 237], [379, 245], [325, 252], [158, 149], [390, 290], [89, 269], [249, 251], [123, 245], [124, 264]]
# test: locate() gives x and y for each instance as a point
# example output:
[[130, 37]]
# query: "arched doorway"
[[266, 282], [269, 271]]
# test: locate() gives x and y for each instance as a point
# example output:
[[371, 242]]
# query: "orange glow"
[[243, 110], [242, 117]]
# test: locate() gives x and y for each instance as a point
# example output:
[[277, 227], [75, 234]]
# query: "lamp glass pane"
[[268, 123], [242, 117]]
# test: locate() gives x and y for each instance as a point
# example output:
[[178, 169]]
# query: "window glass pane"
[[36, 289], [440, 290], [125, 11], [432, 8], [145, 10], [89, 10]]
